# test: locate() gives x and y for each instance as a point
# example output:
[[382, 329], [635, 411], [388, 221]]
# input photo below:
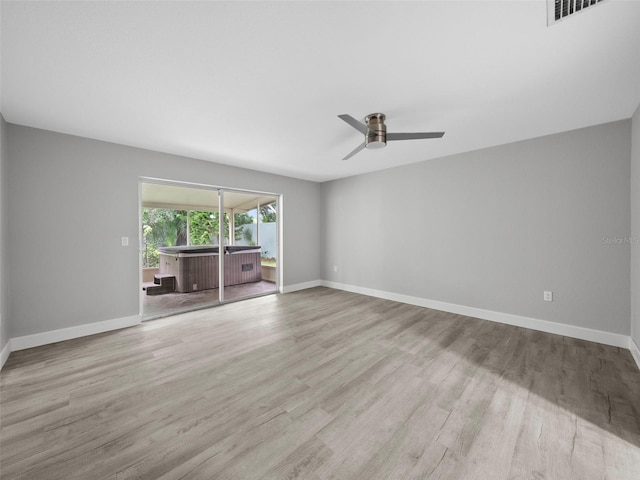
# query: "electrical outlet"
[[335, 268], [548, 296], [195, 286], [125, 241]]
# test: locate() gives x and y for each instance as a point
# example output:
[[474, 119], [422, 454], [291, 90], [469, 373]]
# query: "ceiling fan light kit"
[[375, 132]]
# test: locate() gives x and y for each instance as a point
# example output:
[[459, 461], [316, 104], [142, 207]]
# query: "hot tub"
[[196, 266]]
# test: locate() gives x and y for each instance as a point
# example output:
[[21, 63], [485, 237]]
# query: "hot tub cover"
[[189, 249], [209, 249]]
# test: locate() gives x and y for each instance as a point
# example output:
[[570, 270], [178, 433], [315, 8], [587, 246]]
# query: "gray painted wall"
[[635, 227], [4, 328], [72, 199], [495, 228]]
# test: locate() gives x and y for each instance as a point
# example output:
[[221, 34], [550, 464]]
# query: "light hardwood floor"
[[320, 384]]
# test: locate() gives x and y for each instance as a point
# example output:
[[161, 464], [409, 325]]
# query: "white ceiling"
[[260, 84]]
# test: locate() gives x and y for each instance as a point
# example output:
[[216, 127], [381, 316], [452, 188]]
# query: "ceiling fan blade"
[[356, 150], [361, 127], [413, 136]]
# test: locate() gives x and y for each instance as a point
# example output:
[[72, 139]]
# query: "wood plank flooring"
[[320, 384]]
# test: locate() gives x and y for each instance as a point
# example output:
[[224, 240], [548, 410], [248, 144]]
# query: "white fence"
[[268, 237]]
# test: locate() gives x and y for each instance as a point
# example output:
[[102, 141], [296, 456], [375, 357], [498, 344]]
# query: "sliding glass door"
[[180, 252], [204, 245], [250, 260]]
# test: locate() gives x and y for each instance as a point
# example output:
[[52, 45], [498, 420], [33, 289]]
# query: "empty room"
[[320, 240]]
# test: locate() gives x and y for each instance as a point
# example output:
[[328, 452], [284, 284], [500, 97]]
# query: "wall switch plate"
[[548, 296], [125, 241]]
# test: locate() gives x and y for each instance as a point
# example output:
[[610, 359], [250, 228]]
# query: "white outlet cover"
[[548, 296], [125, 241]]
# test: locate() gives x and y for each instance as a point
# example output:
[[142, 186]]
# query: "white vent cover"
[[559, 9]]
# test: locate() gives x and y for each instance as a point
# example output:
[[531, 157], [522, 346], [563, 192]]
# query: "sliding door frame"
[[220, 191]]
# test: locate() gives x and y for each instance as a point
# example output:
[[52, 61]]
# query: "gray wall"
[[495, 228], [72, 199], [4, 328], [635, 227]]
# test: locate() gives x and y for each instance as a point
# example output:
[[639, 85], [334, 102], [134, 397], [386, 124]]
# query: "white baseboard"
[[598, 336], [44, 338], [301, 286], [635, 351], [5, 353]]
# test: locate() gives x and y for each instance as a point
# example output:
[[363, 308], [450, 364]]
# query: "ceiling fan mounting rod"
[[377, 133]]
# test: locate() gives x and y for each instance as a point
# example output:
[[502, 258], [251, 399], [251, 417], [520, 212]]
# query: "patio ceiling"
[[156, 195]]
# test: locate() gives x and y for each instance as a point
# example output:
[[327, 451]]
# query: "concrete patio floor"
[[171, 303]]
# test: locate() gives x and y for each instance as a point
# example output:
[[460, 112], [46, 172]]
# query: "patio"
[[155, 306]]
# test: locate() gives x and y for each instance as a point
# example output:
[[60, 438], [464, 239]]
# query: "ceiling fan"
[[375, 132]]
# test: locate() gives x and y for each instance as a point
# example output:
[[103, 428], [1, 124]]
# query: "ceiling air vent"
[[559, 9]]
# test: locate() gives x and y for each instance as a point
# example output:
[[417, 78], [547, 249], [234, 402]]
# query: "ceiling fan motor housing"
[[377, 134]]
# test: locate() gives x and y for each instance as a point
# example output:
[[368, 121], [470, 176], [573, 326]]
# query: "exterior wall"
[[147, 273]]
